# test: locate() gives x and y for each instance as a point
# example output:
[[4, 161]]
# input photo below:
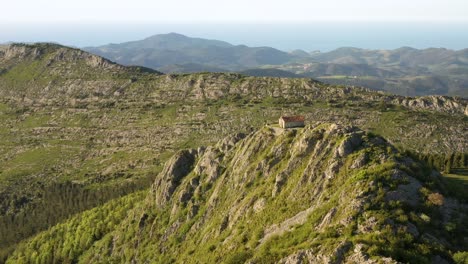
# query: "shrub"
[[461, 257], [436, 199], [212, 248]]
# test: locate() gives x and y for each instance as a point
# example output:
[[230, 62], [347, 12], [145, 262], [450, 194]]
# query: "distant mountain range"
[[405, 71], [175, 49]]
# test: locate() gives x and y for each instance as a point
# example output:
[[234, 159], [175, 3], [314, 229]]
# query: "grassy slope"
[[457, 181]]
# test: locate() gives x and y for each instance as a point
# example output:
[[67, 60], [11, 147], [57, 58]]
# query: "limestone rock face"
[[209, 164], [436, 102], [302, 256], [349, 144], [171, 176], [344, 253], [19, 51], [360, 161], [407, 193]]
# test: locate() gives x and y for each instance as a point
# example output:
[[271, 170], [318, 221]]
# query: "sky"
[[24, 11], [286, 24]]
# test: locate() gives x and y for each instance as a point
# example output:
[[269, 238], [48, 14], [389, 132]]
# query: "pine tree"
[[448, 164]]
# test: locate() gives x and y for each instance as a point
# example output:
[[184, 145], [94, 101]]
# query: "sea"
[[308, 36]]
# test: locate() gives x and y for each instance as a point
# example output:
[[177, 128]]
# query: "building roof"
[[293, 118]]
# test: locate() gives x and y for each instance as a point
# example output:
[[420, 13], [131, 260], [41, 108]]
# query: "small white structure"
[[291, 121]]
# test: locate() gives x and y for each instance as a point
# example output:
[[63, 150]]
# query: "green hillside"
[[79, 131], [318, 194]]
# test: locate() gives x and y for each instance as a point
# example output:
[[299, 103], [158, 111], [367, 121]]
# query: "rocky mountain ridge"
[[115, 82], [404, 71], [61, 53], [326, 193], [438, 103], [163, 50]]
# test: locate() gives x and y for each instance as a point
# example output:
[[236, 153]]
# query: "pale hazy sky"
[[92, 11]]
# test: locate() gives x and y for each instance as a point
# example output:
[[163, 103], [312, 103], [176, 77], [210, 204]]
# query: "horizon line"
[[240, 22]]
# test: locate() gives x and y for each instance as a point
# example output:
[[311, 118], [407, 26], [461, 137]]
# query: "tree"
[[448, 164]]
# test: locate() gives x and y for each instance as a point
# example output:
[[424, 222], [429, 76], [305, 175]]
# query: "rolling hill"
[[406, 71], [171, 49]]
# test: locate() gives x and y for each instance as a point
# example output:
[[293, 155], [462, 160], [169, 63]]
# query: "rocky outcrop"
[[436, 103], [326, 193], [171, 176], [320, 180], [20, 51], [343, 254], [408, 192], [60, 54], [349, 144]]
